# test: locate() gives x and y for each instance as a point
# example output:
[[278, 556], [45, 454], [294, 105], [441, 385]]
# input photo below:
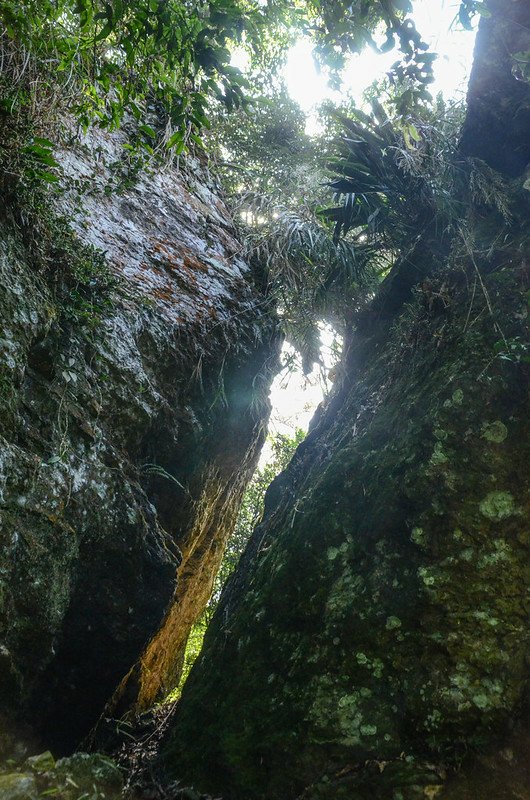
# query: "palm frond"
[[313, 276], [370, 179], [295, 245]]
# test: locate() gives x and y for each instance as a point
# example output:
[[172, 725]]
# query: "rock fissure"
[[374, 640]]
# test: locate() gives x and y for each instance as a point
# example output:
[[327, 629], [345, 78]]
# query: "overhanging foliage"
[[127, 56]]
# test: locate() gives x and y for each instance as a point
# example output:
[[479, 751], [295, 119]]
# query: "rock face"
[[374, 640], [130, 424], [377, 630]]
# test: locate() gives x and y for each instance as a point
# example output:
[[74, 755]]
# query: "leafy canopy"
[[125, 56]]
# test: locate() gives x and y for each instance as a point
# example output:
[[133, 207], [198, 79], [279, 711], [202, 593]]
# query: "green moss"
[[494, 431], [82, 282], [438, 456], [497, 505]]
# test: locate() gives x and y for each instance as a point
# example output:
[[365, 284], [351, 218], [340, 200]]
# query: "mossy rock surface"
[[83, 776], [374, 642], [376, 632]]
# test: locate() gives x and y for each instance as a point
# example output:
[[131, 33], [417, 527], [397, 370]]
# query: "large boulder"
[[132, 417], [376, 634]]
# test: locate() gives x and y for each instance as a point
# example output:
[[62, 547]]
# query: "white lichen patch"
[[368, 730], [438, 456], [340, 714], [418, 536], [426, 576]]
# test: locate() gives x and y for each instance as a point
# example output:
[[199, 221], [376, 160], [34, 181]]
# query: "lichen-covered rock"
[[130, 421], [376, 633], [18, 786], [83, 776]]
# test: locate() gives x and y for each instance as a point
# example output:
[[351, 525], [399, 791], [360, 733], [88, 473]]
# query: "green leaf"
[[48, 177], [104, 32], [176, 141], [464, 18], [148, 131], [43, 142], [414, 133], [41, 154]]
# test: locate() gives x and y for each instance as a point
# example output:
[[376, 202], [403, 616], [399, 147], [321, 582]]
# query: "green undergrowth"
[[83, 776], [30, 180]]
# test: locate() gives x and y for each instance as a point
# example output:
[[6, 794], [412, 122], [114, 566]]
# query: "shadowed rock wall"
[[380, 613], [128, 434]]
